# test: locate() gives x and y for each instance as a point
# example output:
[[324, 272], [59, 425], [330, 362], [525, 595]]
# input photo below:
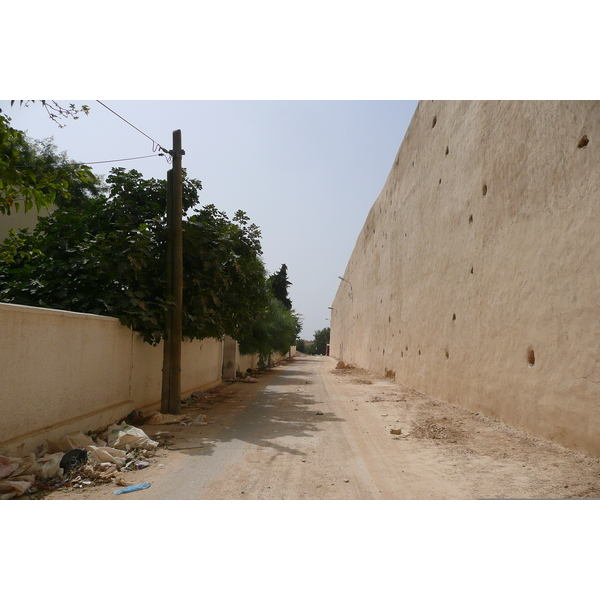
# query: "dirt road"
[[309, 430]]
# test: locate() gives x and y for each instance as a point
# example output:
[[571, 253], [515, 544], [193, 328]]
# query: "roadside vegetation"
[[102, 250], [318, 345]]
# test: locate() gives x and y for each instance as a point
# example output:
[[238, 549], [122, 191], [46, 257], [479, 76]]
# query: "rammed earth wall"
[[476, 277]]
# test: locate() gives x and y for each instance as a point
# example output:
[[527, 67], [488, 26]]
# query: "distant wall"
[[250, 361], [64, 371], [476, 277]]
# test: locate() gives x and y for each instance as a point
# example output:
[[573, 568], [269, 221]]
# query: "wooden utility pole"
[[166, 370], [171, 390]]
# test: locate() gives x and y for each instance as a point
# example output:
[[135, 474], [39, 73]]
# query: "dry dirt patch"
[[501, 461]]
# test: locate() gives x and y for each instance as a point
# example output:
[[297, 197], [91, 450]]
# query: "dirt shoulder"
[[491, 459]]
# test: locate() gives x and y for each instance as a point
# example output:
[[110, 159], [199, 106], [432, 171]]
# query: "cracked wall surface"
[[476, 276]]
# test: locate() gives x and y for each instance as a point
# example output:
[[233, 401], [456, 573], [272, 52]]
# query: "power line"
[[98, 162], [156, 144]]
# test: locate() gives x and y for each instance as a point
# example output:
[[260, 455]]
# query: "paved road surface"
[[310, 431]]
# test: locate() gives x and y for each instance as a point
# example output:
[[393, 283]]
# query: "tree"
[[103, 251], [107, 253], [272, 330], [57, 111], [33, 174], [321, 340], [279, 285]]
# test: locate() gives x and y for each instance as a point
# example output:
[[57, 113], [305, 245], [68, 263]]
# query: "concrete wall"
[[64, 371], [476, 277], [20, 220]]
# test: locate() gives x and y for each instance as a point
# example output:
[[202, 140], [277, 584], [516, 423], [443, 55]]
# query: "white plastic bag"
[[47, 467], [8, 466], [16, 486], [123, 435], [70, 442], [106, 455], [200, 420]]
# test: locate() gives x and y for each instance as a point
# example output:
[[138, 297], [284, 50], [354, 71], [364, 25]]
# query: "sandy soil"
[[309, 430]]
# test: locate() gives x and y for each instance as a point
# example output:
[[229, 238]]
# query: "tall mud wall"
[[476, 277]]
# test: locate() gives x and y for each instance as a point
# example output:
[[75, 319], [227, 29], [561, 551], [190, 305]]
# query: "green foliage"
[[107, 255], [321, 340], [272, 330], [32, 174], [103, 251], [279, 285], [224, 277]]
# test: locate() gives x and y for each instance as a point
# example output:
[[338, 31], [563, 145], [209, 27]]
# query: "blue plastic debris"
[[133, 488]]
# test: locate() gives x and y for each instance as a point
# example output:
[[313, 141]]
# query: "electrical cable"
[[97, 162], [156, 144]]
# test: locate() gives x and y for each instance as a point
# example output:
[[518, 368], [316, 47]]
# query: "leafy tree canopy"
[[103, 251], [272, 330], [33, 174], [107, 254], [321, 340], [279, 285]]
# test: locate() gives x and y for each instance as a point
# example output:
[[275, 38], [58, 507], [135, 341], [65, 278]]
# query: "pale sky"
[[306, 172]]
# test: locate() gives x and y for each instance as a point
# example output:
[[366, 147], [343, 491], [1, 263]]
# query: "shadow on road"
[[271, 413]]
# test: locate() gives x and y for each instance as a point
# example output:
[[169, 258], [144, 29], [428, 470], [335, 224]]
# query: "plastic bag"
[[25, 463], [8, 466], [123, 435], [200, 420], [70, 442], [133, 488], [160, 419], [46, 467], [16, 486], [106, 455]]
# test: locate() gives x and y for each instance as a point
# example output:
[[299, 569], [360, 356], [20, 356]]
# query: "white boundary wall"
[[65, 371]]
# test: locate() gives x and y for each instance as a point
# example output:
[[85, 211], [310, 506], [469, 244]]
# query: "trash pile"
[[78, 460]]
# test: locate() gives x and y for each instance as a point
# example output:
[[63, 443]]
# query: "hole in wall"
[[454, 317], [471, 270], [447, 354], [440, 181], [530, 356], [447, 150], [484, 190], [433, 124], [419, 353], [406, 348], [401, 354], [583, 142], [471, 219]]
